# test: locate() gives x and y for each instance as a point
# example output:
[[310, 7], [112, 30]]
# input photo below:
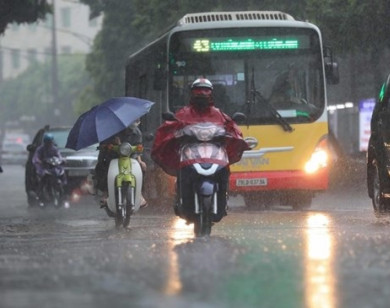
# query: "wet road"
[[336, 254]]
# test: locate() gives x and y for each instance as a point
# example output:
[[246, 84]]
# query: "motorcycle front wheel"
[[118, 213], [52, 193], [203, 223], [57, 193], [123, 213], [128, 195]]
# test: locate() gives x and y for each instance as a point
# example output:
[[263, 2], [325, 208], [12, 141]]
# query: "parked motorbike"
[[124, 181], [52, 182], [203, 163]]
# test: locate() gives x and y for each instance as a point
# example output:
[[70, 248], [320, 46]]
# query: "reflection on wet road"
[[332, 255], [180, 233], [319, 271]]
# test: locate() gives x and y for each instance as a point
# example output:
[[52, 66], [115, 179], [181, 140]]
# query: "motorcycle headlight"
[[125, 149]]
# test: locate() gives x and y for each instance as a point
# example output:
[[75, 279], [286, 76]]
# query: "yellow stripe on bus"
[[278, 150]]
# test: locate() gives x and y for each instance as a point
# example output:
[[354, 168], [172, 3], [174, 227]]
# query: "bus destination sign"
[[208, 45]]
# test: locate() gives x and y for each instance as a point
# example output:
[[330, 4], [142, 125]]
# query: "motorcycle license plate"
[[252, 182]]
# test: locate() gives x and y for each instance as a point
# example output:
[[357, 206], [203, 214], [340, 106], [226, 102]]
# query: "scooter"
[[52, 182], [124, 181], [203, 161]]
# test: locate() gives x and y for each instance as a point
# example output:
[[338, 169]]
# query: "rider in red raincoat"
[[165, 151]]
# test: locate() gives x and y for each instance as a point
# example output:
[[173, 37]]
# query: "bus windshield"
[[254, 70]]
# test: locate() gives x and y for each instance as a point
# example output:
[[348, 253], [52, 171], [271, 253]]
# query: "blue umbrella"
[[105, 120]]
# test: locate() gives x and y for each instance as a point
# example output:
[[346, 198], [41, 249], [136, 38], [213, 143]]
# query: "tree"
[[30, 94], [111, 48], [355, 28], [20, 11]]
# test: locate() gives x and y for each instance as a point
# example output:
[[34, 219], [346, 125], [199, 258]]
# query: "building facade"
[[69, 31]]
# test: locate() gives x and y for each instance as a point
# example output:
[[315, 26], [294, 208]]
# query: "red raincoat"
[[165, 150]]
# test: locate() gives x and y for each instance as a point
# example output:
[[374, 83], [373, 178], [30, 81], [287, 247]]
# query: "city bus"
[[265, 64]]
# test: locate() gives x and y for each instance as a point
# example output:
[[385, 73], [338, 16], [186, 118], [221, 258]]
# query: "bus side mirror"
[[30, 148], [331, 67], [149, 137], [332, 73]]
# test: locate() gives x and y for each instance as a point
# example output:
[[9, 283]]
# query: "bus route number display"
[[208, 45]]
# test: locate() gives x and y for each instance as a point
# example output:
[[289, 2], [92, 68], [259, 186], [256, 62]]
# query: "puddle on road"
[[14, 228], [79, 222]]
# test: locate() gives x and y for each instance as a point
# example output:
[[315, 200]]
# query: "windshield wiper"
[[256, 96], [278, 117]]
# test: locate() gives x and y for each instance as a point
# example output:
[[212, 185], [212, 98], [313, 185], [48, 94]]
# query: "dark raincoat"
[[165, 150]]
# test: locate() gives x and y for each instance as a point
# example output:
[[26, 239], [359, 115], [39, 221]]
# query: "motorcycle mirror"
[[149, 137], [30, 148], [169, 116], [239, 117]]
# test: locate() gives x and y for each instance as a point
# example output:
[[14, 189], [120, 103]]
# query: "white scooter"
[[124, 181]]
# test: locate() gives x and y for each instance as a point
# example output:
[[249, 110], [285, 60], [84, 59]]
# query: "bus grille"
[[234, 16]]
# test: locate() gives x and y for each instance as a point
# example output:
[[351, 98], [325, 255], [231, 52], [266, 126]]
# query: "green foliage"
[[352, 25], [30, 93], [86, 100], [20, 11], [111, 48]]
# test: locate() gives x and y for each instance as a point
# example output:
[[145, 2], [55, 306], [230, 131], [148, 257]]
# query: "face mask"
[[201, 102]]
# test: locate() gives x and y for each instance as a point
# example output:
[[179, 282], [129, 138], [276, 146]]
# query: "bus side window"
[[221, 99]]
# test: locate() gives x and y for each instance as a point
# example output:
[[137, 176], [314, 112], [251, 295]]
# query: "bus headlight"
[[318, 159]]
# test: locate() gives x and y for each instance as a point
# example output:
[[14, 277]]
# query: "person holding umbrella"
[[109, 123], [131, 134]]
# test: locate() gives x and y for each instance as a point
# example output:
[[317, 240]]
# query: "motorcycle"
[[199, 155], [52, 182], [124, 181], [203, 167]]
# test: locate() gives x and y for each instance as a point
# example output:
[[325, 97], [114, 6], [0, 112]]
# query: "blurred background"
[[58, 58]]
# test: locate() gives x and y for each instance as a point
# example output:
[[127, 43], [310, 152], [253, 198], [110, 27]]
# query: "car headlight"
[[125, 149], [319, 158]]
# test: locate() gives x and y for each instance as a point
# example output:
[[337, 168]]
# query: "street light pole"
[[54, 68]]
